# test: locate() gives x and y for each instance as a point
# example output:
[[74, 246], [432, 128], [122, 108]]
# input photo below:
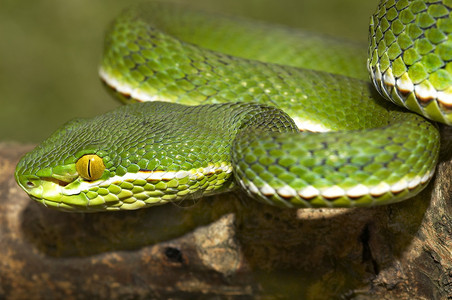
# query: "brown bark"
[[227, 246]]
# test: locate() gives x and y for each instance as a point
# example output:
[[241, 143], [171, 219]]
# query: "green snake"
[[286, 116]]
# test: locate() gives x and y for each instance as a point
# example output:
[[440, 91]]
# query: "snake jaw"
[[55, 191]]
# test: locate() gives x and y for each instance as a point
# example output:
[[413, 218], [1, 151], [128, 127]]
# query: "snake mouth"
[[56, 181], [50, 192], [66, 196]]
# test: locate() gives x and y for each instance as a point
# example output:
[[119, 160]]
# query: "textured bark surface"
[[227, 246]]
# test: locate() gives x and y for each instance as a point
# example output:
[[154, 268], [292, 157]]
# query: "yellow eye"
[[90, 167]]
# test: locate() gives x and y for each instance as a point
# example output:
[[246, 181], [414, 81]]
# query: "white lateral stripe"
[[414, 182], [388, 77], [252, 187], [378, 73], [308, 192], [445, 97], [309, 125], [399, 186], [424, 91], [380, 189], [127, 89], [357, 191], [152, 175], [286, 192], [267, 190], [427, 176], [335, 191], [404, 83]]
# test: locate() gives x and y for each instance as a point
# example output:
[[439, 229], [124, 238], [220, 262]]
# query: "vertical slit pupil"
[[89, 168]]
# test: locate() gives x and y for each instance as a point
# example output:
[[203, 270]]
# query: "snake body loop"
[[225, 101], [410, 56]]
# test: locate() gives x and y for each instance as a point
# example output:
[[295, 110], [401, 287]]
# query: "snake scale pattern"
[[216, 103]]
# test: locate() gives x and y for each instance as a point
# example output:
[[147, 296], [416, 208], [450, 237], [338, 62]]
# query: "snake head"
[[47, 184], [53, 172], [89, 164]]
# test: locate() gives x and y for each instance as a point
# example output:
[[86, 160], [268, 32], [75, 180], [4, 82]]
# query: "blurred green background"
[[50, 51]]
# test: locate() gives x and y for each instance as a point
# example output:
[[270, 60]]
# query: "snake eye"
[[90, 167]]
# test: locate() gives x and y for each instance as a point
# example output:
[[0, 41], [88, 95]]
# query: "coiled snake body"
[[225, 101]]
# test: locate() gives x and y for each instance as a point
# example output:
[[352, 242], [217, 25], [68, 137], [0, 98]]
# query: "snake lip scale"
[[216, 103]]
